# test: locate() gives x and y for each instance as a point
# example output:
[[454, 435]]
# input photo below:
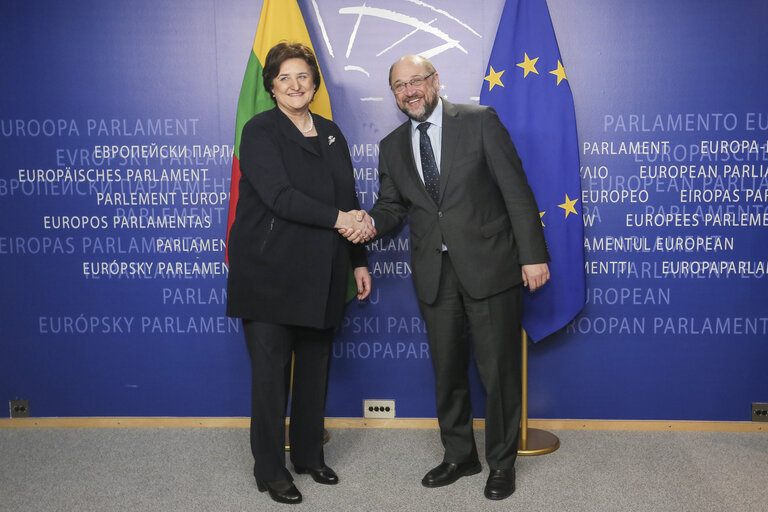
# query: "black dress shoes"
[[324, 475], [282, 491], [447, 473], [500, 484]]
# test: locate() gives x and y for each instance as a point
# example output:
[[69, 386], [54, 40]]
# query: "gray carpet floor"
[[380, 470]]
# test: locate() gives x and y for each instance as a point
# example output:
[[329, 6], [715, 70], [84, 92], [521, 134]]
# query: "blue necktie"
[[428, 164]]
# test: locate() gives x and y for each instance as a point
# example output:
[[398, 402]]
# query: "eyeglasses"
[[399, 87]]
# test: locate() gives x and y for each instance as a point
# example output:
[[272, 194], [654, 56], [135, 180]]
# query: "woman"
[[289, 266]]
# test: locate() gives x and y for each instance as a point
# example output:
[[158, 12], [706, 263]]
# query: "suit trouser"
[[495, 326], [270, 347]]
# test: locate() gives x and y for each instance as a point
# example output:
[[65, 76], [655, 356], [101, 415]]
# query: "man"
[[476, 236]]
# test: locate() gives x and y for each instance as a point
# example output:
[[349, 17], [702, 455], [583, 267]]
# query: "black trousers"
[[270, 347], [495, 326]]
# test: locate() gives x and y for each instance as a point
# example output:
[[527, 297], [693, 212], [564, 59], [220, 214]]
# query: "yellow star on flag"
[[541, 216], [568, 206], [528, 65], [494, 78], [559, 72]]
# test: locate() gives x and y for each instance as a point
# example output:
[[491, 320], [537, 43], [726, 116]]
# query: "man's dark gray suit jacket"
[[487, 216]]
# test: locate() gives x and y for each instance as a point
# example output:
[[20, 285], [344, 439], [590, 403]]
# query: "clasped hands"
[[355, 225]]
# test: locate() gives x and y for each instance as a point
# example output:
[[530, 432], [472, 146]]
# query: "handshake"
[[355, 225]]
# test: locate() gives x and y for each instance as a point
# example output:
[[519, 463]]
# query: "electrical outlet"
[[378, 408], [759, 411], [19, 408]]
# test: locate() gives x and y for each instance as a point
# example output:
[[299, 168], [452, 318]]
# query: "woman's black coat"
[[287, 265]]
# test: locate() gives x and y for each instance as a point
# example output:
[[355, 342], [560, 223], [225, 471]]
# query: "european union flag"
[[528, 87]]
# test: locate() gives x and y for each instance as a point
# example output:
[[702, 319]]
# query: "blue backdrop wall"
[[115, 308]]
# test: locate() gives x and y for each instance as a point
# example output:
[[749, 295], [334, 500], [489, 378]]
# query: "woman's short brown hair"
[[280, 53]]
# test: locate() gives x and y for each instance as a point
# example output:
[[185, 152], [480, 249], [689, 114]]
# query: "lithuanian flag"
[[280, 20]]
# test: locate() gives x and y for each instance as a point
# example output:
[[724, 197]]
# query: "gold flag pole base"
[[533, 441], [326, 437], [539, 442]]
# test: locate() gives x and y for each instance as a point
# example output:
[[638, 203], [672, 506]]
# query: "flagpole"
[[533, 441]]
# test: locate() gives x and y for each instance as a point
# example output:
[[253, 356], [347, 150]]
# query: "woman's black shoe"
[[323, 475], [282, 491]]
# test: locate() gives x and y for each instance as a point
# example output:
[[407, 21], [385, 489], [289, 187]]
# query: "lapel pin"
[[331, 139]]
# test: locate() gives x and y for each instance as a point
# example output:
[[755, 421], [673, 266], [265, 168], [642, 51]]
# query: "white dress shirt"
[[435, 132]]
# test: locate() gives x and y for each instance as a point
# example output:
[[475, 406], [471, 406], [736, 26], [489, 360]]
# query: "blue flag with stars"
[[527, 85]]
